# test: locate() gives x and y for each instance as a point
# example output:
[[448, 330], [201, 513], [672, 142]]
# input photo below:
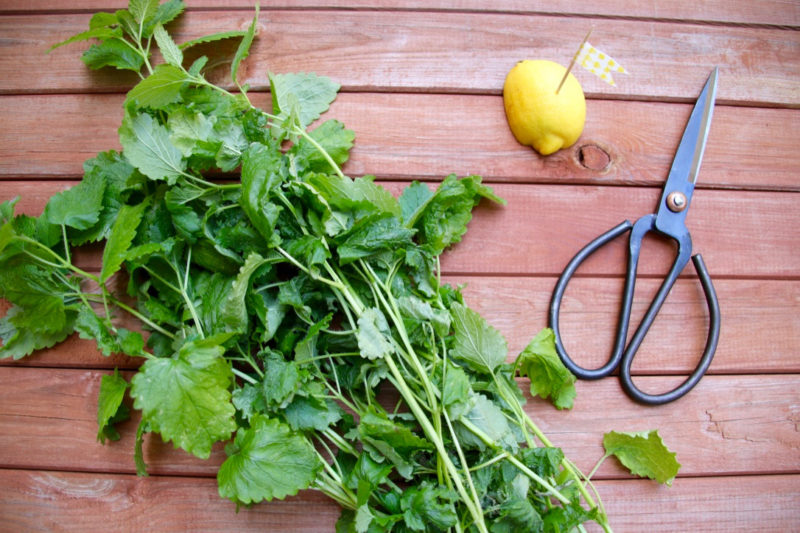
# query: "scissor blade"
[[693, 143]]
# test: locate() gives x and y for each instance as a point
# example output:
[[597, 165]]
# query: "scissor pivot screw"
[[676, 201]]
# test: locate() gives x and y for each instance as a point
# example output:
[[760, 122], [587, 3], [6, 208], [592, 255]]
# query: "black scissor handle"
[[620, 353]]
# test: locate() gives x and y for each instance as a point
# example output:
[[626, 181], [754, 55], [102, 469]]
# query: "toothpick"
[[574, 58]]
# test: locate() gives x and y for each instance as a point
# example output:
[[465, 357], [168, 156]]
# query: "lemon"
[[538, 116]]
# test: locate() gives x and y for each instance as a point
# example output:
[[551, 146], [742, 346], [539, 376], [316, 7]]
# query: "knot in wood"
[[593, 157]]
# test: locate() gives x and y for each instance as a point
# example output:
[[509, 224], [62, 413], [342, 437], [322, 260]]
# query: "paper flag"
[[598, 62]]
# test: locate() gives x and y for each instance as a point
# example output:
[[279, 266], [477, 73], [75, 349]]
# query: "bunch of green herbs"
[[291, 311]]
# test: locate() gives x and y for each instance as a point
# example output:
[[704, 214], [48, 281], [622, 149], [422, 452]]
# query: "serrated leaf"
[[311, 93], [476, 343], [549, 377], [169, 50], [142, 10], [109, 401], [38, 295], [78, 207], [21, 342], [147, 146], [100, 32], [186, 398], [374, 335], [244, 48], [213, 37], [112, 52], [119, 240], [268, 461], [234, 311], [644, 454], [158, 90]]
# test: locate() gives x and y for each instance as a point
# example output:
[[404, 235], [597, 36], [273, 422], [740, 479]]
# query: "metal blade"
[[693, 143]]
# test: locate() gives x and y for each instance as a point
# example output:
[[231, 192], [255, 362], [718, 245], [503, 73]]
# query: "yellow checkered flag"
[[599, 63]]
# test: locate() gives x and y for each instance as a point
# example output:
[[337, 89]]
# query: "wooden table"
[[422, 87]]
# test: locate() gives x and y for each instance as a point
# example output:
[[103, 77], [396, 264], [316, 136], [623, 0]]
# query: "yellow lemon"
[[538, 116]]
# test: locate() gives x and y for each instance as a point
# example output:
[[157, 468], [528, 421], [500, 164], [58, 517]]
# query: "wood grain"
[[70, 501], [59, 132], [769, 12], [438, 52], [48, 421]]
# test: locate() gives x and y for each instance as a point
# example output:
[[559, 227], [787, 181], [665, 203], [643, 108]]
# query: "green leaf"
[[334, 139], [281, 379], [260, 175], [213, 37], [119, 241], [644, 454], [268, 460], [549, 377], [234, 311], [19, 342], [244, 48], [169, 50], [429, 505], [99, 32], [159, 89], [164, 14], [147, 146], [413, 200], [392, 440], [78, 207], [374, 235], [313, 95], [488, 417], [476, 343], [39, 296], [442, 219], [113, 52], [374, 335], [109, 401], [186, 398], [91, 327], [142, 10], [307, 413]]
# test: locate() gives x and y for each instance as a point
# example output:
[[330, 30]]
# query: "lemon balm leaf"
[[119, 241], [477, 343], [109, 403], [311, 94], [161, 88], [244, 48], [549, 377], [147, 146], [644, 454], [169, 50], [186, 398], [266, 461]]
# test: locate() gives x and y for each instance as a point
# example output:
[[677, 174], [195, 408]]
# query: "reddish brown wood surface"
[[422, 83]]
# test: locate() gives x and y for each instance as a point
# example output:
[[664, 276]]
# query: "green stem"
[[473, 507]]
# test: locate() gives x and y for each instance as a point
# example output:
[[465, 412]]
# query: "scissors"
[[668, 220]]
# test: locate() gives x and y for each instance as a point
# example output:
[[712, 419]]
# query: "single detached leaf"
[[147, 146], [268, 460], [244, 48], [477, 344], [119, 240], [186, 398], [109, 401], [159, 89], [172, 54], [549, 377], [644, 454]]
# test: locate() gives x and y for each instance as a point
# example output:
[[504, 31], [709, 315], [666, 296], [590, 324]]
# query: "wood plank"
[[438, 52], [404, 136], [68, 501], [770, 12], [755, 335], [543, 226], [727, 425]]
